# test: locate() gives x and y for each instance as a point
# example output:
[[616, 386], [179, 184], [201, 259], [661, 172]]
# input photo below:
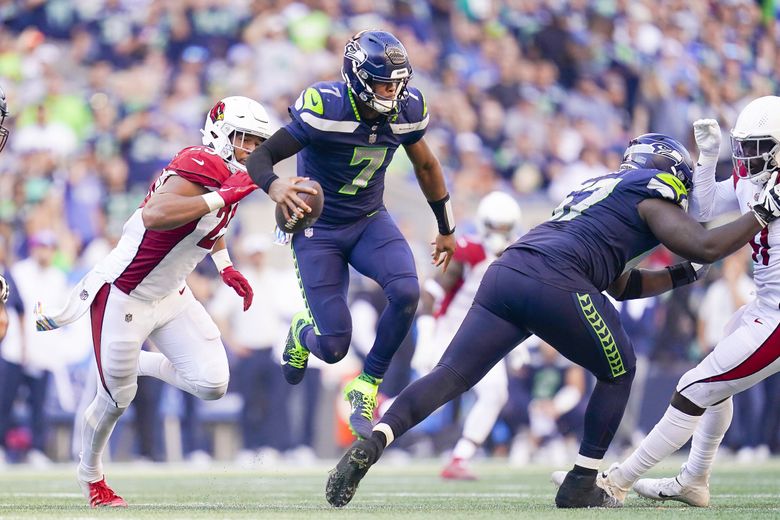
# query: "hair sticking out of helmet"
[[3, 114], [755, 140], [660, 152], [498, 221], [376, 69], [229, 122]]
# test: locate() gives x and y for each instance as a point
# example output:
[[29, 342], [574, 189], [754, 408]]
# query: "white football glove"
[[767, 207], [707, 135]]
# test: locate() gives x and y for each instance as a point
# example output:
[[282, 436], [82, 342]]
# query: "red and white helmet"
[[498, 221], [234, 115], [755, 140]]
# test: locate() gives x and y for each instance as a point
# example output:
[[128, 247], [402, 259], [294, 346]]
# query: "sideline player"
[[345, 134], [139, 291], [750, 349], [550, 283], [444, 303]]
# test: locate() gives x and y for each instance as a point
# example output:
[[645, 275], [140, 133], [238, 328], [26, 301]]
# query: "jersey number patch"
[[588, 194], [225, 214], [375, 158]]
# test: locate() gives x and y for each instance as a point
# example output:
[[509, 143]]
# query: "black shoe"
[[582, 491], [343, 480]]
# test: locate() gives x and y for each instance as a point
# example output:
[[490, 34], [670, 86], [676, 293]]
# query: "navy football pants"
[[510, 306], [375, 247]]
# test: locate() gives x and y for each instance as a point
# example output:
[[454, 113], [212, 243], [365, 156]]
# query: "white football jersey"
[[765, 245], [150, 264], [457, 302]]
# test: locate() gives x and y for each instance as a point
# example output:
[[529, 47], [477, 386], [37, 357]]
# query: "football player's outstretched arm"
[[709, 199], [179, 201], [431, 180], [678, 231], [643, 283], [260, 166]]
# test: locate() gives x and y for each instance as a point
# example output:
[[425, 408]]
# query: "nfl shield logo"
[[372, 139], [308, 232], [84, 295], [128, 317]]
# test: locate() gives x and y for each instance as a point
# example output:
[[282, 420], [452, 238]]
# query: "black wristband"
[[682, 274], [633, 287], [442, 209]]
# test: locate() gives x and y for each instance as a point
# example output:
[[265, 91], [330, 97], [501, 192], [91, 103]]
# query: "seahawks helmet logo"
[[355, 52]]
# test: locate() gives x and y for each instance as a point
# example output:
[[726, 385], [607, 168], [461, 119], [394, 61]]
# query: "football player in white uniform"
[[446, 300], [138, 291], [750, 350]]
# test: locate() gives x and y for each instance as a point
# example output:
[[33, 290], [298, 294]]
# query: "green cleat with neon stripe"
[[295, 356], [361, 394]]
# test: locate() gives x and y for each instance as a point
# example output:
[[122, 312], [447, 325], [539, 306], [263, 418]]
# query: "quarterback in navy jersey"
[[345, 134], [550, 282]]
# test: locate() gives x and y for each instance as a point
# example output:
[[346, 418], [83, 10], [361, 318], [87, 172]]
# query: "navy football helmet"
[[660, 152], [372, 57], [3, 115]]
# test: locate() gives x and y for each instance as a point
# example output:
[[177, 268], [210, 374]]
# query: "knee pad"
[[120, 371], [334, 348], [404, 293], [213, 381], [623, 380]]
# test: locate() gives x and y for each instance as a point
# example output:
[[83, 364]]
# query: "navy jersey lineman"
[[550, 283], [345, 134]]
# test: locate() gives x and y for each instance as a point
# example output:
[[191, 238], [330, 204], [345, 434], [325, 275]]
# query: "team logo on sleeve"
[[217, 112]]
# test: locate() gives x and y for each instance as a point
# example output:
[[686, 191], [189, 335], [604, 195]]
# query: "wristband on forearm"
[[442, 209], [682, 274], [221, 259], [213, 200]]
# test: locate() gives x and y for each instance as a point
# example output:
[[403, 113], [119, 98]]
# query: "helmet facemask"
[[3, 114], [755, 157]]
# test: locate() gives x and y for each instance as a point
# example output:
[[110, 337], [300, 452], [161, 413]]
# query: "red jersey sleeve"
[[199, 164], [469, 252]]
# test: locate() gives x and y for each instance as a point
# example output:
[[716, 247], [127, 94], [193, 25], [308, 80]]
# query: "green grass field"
[[409, 491]]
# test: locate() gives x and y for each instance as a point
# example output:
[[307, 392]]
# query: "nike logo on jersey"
[[198, 161], [314, 102], [182, 290], [758, 321]]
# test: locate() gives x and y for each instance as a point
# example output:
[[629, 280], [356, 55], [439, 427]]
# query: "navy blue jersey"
[[347, 155], [596, 232]]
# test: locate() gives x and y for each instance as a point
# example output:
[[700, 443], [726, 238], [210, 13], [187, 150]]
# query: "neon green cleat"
[[295, 356], [361, 394]]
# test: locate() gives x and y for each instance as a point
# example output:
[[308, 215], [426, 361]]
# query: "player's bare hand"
[[443, 249], [285, 191]]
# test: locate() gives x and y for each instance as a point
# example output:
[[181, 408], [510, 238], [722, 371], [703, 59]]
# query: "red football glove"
[[236, 280], [236, 187]]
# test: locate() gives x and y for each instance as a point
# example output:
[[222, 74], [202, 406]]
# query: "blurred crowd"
[[528, 96]]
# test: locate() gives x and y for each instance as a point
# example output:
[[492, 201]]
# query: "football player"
[[750, 349], [345, 134], [444, 303], [138, 291], [550, 283]]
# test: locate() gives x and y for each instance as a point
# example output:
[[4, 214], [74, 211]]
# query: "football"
[[295, 224]]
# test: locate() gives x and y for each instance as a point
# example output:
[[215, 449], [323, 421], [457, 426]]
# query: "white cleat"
[[697, 494], [605, 481]]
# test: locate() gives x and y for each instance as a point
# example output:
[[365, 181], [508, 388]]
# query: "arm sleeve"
[[709, 199], [260, 164]]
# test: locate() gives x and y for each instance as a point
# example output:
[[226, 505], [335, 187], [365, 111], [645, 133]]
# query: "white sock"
[[672, 431], [464, 449], [707, 439], [98, 423], [158, 366]]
